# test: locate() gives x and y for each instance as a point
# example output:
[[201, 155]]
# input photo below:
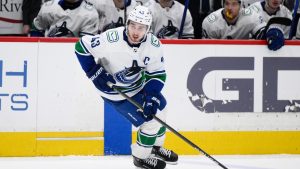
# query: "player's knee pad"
[[150, 127], [147, 133]]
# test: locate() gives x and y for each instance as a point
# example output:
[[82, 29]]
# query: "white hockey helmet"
[[140, 14]]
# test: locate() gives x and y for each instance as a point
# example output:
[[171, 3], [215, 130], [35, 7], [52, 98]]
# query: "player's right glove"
[[100, 77], [275, 38], [151, 104]]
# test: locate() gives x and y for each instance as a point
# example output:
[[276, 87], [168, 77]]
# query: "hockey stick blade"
[[111, 85], [280, 21]]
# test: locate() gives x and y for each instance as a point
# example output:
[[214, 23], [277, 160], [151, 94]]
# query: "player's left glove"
[[151, 104], [275, 38], [100, 77]]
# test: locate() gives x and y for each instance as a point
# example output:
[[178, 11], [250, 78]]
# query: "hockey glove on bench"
[[275, 39], [100, 77]]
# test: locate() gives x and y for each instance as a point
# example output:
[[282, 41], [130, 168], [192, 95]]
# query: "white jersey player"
[[132, 59], [273, 8], [167, 17], [235, 22], [248, 23], [112, 12], [66, 18]]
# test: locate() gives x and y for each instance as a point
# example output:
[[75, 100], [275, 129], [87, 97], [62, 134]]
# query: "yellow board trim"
[[92, 143], [235, 142], [69, 134], [17, 144], [51, 143]]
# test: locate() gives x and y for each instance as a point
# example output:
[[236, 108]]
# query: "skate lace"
[[151, 161], [165, 152]]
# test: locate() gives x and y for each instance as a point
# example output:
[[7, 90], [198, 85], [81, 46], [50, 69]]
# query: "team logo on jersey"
[[246, 12], [167, 31], [112, 36], [211, 18], [155, 41], [129, 75], [61, 31]]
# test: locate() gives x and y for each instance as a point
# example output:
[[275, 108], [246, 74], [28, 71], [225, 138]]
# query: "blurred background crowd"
[[172, 19]]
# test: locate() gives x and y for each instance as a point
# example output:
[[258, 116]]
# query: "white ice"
[[125, 162]]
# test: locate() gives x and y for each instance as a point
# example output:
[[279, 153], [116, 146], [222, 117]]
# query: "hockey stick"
[[166, 125], [293, 25], [279, 20], [186, 5], [125, 12], [276, 20]]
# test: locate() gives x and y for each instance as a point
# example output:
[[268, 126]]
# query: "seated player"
[[235, 22]]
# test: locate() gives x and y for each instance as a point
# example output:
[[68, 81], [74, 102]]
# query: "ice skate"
[[149, 163], [164, 154]]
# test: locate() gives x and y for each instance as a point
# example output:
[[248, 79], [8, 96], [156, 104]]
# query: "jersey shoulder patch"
[[155, 41], [211, 18], [247, 12], [112, 36], [254, 8], [88, 6]]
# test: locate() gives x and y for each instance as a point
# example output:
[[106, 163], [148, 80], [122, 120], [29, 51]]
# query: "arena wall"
[[228, 97]]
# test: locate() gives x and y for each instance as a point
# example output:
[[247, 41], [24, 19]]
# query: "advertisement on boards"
[[11, 16], [232, 87], [18, 86]]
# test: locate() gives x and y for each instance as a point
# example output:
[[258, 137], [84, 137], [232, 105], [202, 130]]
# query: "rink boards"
[[228, 97]]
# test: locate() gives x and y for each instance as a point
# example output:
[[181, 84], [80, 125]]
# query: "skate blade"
[[168, 162], [172, 163]]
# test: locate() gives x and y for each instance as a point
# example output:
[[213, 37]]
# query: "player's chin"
[[135, 40]]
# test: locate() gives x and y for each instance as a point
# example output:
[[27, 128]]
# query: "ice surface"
[[125, 162]]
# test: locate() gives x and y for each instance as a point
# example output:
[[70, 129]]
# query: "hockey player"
[[132, 59], [273, 8], [65, 18], [112, 12], [167, 17], [235, 22]]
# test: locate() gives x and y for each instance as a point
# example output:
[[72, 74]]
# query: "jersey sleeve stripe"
[[83, 46], [80, 50], [161, 76], [157, 72]]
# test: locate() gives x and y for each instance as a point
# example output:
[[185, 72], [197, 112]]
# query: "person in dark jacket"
[[30, 10]]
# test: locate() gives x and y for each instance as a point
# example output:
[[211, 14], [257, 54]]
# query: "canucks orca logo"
[[114, 24], [129, 75], [167, 31], [61, 31]]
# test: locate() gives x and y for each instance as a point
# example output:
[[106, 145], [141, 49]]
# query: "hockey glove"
[[100, 77], [275, 38], [151, 104]]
